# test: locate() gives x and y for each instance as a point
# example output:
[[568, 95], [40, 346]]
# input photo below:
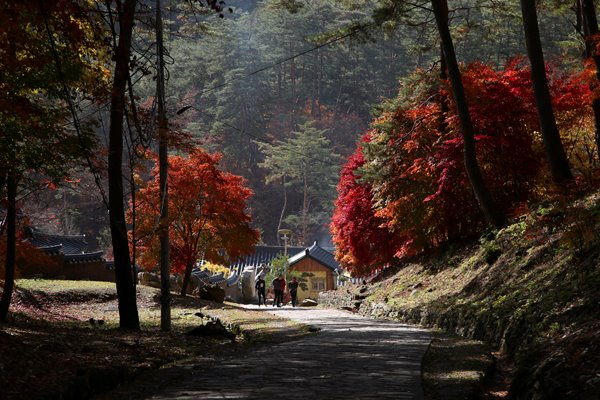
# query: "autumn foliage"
[[360, 237], [207, 214], [415, 194]]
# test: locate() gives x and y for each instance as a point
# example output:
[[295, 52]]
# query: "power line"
[[282, 61], [258, 139]]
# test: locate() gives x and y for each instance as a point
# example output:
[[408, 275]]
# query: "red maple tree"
[[362, 241], [207, 215], [414, 169]]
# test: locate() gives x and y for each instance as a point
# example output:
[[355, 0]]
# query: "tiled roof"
[[204, 276], [262, 255], [70, 244], [215, 279], [233, 279], [201, 274], [84, 257], [51, 250], [317, 253], [73, 247]]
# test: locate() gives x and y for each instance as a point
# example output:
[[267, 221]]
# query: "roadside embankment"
[[531, 291]]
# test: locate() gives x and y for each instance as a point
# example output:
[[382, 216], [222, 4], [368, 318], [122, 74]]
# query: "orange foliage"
[[207, 214], [27, 254]]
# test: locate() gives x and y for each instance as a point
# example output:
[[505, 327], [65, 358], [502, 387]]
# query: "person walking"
[[261, 287], [282, 284], [293, 288], [277, 291]]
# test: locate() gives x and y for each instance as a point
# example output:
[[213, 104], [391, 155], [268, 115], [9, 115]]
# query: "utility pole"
[[285, 236], [165, 290]]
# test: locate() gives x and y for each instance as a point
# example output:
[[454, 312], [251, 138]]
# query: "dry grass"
[[530, 289]]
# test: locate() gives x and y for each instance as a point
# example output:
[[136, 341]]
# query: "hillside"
[[531, 290]]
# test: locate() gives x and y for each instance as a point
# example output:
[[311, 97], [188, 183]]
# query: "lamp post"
[[285, 235]]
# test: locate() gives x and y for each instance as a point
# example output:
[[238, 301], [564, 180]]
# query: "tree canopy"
[[208, 218]]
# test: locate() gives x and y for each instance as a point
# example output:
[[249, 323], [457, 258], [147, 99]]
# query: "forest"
[[170, 132], [383, 129], [293, 99], [244, 95]]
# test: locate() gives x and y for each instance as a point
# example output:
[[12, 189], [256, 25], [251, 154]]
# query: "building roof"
[[318, 254], [51, 250], [263, 255], [76, 244], [204, 276], [84, 258], [72, 247]]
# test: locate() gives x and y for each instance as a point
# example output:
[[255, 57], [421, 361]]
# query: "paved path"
[[351, 358]]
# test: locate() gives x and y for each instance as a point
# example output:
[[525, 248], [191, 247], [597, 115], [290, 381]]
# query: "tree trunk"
[[11, 247], [165, 270], [187, 275], [128, 313], [9, 179], [491, 211], [305, 212], [282, 209], [559, 164], [590, 23], [444, 108], [581, 27]]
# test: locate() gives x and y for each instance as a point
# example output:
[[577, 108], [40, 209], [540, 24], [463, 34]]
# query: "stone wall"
[[348, 297]]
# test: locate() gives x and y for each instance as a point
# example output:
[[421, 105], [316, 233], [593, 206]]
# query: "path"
[[351, 358]]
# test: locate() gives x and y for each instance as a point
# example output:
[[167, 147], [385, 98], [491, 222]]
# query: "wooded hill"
[[270, 66]]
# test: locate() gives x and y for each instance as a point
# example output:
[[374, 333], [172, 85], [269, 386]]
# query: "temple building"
[[69, 258]]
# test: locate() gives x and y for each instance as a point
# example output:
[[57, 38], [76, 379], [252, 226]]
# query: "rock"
[[308, 303], [149, 279], [213, 328], [212, 293]]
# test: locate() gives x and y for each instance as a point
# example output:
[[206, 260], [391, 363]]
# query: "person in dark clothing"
[[293, 288], [277, 290], [261, 287], [282, 285]]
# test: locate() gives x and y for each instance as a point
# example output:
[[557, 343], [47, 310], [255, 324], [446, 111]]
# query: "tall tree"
[[493, 214], [165, 291], [45, 63], [128, 313], [592, 38], [363, 242], [207, 218], [11, 248], [310, 165], [559, 164]]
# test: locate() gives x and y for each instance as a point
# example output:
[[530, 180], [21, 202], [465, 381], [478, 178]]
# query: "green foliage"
[[308, 164], [41, 76], [491, 251], [279, 266]]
